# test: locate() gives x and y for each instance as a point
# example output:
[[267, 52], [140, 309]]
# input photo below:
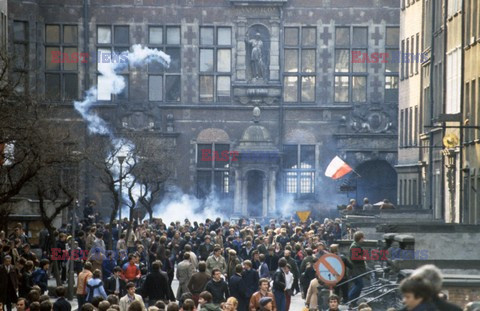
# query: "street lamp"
[[120, 199]]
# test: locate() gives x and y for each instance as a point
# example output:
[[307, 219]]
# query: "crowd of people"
[[219, 266]]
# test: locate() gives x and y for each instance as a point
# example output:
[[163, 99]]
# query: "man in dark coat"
[[156, 285], [61, 304], [279, 285], [205, 248], [115, 285], [198, 281], [358, 263], [8, 283], [217, 287], [250, 278], [238, 289]]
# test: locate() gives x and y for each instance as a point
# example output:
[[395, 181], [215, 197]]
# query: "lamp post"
[[120, 199], [449, 154]]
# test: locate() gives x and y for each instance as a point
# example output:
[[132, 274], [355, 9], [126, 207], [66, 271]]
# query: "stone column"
[[237, 196], [272, 193], [241, 69], [265, 200], [274, 49], [244, 198]]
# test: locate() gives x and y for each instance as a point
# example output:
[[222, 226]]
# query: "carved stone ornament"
[[370, 119]]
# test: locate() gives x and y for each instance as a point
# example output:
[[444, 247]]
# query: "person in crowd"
[[263, 291], [434, 276], [95, 286], [198, 281], [238, 289], [40, 276], [279, 285], [231, 304], [366, 205], [8, 283], [22, 304], [83, 278], [216, 261], [185, 270], [130, 297], [131, 270], [266, 304], [61, 304], [217, 287], [348, 267], [333, 303], [115, 285], [188, 305], [417, 294], [156, 285], [386, 205], [358, 263], [233, 261], [205, 302], [250, 278]]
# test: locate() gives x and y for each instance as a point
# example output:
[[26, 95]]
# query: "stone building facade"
[[284, 84]]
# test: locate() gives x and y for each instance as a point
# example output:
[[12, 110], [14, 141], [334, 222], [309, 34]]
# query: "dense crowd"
[[219, 266]]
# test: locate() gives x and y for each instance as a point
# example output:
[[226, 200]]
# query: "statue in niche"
[[257, 65]]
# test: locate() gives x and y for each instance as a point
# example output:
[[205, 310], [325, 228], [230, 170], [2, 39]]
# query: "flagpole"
[[356, 173]]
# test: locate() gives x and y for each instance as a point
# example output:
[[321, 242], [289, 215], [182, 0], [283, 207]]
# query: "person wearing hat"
[[266, 303], [263, 292]]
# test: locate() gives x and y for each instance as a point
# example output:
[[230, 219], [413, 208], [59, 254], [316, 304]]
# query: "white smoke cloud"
[[178, 206]]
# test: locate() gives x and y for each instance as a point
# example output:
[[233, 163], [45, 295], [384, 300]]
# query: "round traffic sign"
[[330, 269]]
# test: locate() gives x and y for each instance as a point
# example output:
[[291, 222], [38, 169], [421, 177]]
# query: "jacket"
[[62, 305], [111, 284], [209, 307], [94, 289], [83, 278], [156, 286], [359, 266], [130, 272], [255, 301], [213, 263], [219, 291], [279, 283], [125, 302], [6, 279], [250, 278], [237, 288], [197, 282]]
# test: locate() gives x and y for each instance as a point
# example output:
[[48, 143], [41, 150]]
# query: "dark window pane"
[[104, 35], [204, 183], [220, 161], [342, 60], [123, 95], [19, 31], [70, 34], [290, 88], [221, 182], [290, 156], [291, 60], [71, 62], [223, 88], [392, 60], [173, 35], [20, 56], [175, 60], [52, 57], [206, 35], [52, 34], [155, 88], [342, 36], [359, 37], [204, 155], [392, 36], [172, 88], [206, 60], [359, 89], [391, 88], [71, 86], [308, 89], [121, 35], [308, 60], [155, 66], [206, 88], [309, 36], [360, 64], [341, 89], [52, 86], [307, 156], [155, 35], [224, 36], [291, 36]]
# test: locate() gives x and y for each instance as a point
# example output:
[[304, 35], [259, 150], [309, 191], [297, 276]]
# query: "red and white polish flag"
[[337, 168]]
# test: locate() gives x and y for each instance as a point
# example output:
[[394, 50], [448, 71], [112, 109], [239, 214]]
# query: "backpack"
[[91, 291]]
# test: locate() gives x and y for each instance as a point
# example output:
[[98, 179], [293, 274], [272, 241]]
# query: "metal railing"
[[361, 275]]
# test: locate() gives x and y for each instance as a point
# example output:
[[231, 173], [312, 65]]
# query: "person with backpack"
[[40, 276], [95, 286]]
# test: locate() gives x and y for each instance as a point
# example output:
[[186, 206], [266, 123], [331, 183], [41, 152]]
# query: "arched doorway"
[[378, 181], [255, 195]]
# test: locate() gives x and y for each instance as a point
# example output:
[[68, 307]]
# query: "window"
[[20, 64], [3, 31], [391, 88], [350, 77], [300, 64], [402, 63], [215, 64], [468, 112], [406, 59], [213, 170], [112, 41], [61, 62], [417, 52], [164, 83], [299, 170], [402, 129], [473, 105], [415, 127]]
